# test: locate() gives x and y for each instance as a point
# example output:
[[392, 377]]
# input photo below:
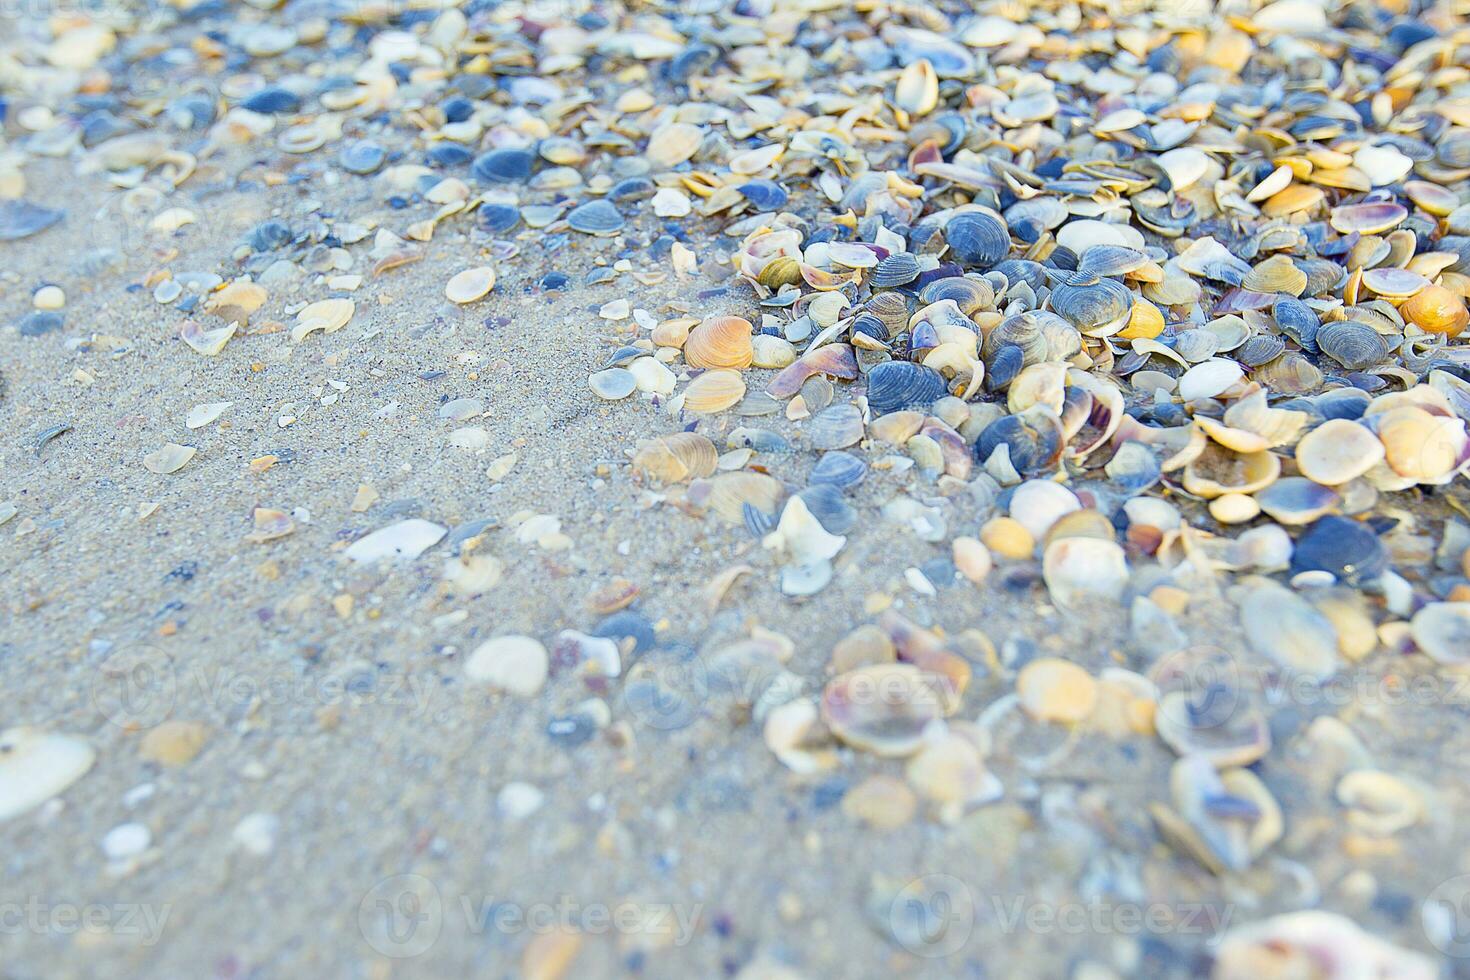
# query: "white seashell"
[[1185, 166], [802, 536], [653, 377], [514, 664], [36, 766], [1208, 379], [1038, 504], [328, 316], [1283, 626], [202, 415], [1442, 631], [403, 541], [1080, 569], [670, 202], [470, 437], [168, 459], [470, 284]]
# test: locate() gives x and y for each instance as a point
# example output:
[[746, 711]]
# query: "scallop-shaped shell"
[[1436, 309], [1352, 344], [595, 218], [886, 708], [969, 293], [890, 308], [1276, 275], [672, 144], [1259, 350], [676, 458], [1298, 321], [731, 493], [1394, 284], [839, 469], [897, 385], [977, 238], [1100, 309], [1111, 260], [1337, 451], [1289, 374], [898, 269], [836, 427], [720, 342], [1082, 569], [714, 391], [783, 270], [1026, 331], [1217, 471]]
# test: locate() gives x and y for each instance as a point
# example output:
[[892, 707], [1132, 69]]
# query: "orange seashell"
[[1437, 310], [720, 342]]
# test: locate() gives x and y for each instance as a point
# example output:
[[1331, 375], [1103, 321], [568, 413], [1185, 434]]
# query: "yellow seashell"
[[676, 458], [714, 391], [1145, 322], [1437, 310]]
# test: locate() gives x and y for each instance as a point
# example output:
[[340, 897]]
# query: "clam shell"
[[676, 458], [1031, 441], [1345, 548], [800, 535], [969, 293], [327, 315], [595, 218], [731, 493], [470, 284], [714, 391], [977, 238], [1296, 500], [839, 469], [1081, 570], [720, 342], [886, 708], [170, 458], [897, 385], [1209, 379], [400, 541], [1281, 625], [1297, 320], [1098, 309], [1337, 451], [1209, 720], [1217, 471], [613, 383], [1419, 445], [1436, 309], [836, 427]]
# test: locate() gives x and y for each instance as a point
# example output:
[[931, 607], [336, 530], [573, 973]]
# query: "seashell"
[[507, 165], [886, 708], [731, 493], [1223, 820], [1133, 468], [1209, 379], [1259, 350], [771, 352], [1235, 508], [1419, 445], [897, 385], [1378, 802], [1394, 284], [801, 536], [917, 90], [1436, 309], [839, 469], [1345, 548], [1276, 275], [36, 766], [1217, 471], [170, 458], [595, 218], [21, 219], [613, 384], [977, 238], [470, 284], [833, 360], [1298, 321], [1289, 374], [1438, 201], [652, 376], [1442, 631], [402, 541], [1297, 943], [1337, 451], [1208, 258], [828, 506], [1208, 720], [1038, 504], [676, 458], [970, 294], [898, 269], [327, 315], [1055, 690], [836, 427], [1031, 441], [1296, 500], [896, 428], [1284, 627], [672, 144], [1100, 309], [714, 391], [1369, 218], [1079, 570], [1040, 384], [764, 194], [720, 342], [1004, 366], [517, 665]]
